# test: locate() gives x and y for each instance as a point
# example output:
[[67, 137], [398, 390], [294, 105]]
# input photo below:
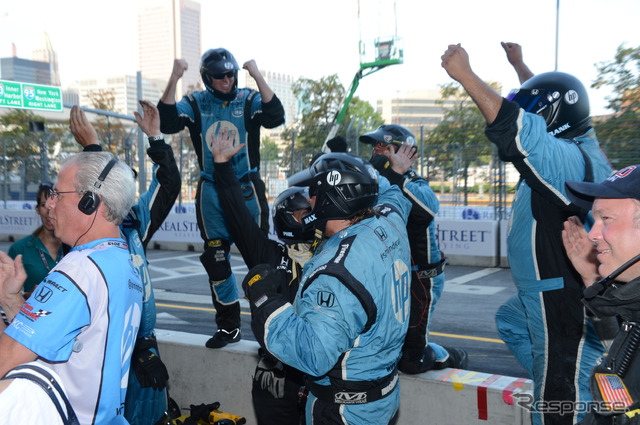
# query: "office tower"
[[169, 29], [123, 88], [25, 71], [282, 85], [45, 53]]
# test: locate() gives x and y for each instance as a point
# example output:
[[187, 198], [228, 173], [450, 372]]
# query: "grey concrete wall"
[[446, 397]]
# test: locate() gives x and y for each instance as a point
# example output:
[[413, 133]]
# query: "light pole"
[[557, 30]]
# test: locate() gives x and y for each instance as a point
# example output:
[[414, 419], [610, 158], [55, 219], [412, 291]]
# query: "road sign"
[[30, 96]]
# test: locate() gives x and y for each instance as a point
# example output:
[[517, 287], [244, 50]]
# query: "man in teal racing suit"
[[244, 111], [544, 129], [427, 273], [346, 327]]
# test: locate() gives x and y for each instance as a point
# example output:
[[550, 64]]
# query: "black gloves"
[[261, 284], [148, 367], [270, 376]]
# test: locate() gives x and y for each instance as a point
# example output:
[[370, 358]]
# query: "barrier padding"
[[450, 396]]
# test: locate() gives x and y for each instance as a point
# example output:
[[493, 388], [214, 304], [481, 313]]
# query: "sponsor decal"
[[237, 112], [135, 286], [386, 253], [560, 129], [309, 219], [386, 390], [400, 290], [334, 178], [343, 250], [43, 294], [381, 233], [27, 311], [254, 279], [571, 97], [326, 299], [344, 397], [622, 173], [23, 327]]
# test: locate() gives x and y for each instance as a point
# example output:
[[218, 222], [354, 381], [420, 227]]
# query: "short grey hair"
[[117, 191]]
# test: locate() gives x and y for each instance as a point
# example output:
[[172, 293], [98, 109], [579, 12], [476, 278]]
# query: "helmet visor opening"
[[536, 101]]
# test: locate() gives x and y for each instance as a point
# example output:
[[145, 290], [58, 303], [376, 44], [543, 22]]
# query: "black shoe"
[[458, 359], [223, 337]]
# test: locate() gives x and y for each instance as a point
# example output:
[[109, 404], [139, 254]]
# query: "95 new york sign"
[[30, 96]]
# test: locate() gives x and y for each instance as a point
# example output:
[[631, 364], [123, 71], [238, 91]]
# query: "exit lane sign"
[[30, 96]]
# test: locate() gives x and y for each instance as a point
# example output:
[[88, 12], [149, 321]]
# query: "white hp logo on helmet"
[[571, 97], [334, 177], [228, 65]]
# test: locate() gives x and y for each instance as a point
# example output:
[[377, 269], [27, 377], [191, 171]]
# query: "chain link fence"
[[461, 174]]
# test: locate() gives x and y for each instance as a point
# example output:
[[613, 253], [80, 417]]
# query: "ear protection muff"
[[90, 202]]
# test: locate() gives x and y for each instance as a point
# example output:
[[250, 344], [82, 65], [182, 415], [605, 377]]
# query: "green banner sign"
[[30, 96]]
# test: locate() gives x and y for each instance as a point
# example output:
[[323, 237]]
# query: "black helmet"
[[218, 61], [389, 133], [288, 229], [558, 97], [344, 185]]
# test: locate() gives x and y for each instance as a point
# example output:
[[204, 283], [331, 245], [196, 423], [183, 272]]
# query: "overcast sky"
[[315, 39]]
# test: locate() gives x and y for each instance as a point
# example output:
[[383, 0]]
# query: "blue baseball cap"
[[620, 185]]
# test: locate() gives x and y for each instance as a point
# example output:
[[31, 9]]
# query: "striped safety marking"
[[507, 393], [459, 377], [483, 413]]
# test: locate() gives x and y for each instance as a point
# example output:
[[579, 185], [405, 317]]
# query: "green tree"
[[619, 134], [459, 138], [23, 147], [320, 101]]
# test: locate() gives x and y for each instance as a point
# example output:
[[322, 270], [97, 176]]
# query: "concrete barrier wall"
[[445, 397]]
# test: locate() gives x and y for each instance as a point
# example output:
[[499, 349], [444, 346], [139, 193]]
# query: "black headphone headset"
[[90, 201]]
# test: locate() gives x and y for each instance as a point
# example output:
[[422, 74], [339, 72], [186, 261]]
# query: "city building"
[[282, 86], [45, 53], [25, 71], [124, 89], [415, 110], [169, 29]]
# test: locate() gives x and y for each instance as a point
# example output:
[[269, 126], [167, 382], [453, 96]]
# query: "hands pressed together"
[[12, 277], [580, 250]]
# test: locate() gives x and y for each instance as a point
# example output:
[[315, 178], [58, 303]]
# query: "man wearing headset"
[[81, 321], [146, 400]]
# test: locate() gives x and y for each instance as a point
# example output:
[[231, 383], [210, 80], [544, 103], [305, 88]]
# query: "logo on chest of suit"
[[326, 299], [381, 233], [237, 112]]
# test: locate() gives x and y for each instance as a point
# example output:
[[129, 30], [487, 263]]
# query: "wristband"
[[156, 138]]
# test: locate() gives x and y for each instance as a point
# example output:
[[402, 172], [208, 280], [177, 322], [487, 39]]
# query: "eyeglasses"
[[54, 195], [229, 75]]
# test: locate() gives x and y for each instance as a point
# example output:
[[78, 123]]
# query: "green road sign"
[[30, 96]]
